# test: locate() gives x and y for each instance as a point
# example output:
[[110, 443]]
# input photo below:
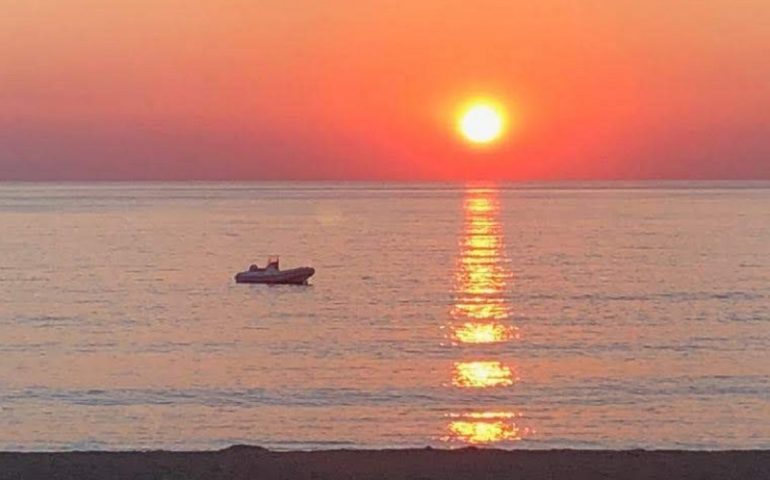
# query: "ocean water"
[[591, 315]]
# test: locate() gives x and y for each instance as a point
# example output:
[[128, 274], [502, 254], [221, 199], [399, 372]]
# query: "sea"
[[589, 315]]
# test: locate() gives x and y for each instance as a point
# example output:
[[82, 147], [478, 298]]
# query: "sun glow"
[[481, 122]]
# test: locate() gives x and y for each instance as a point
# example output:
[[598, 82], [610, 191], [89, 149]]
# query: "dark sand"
[[257, 463]]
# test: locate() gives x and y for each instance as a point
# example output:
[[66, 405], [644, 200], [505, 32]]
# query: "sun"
[[481, 122]]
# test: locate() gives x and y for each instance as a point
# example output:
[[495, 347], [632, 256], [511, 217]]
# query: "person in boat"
[[254, 267]]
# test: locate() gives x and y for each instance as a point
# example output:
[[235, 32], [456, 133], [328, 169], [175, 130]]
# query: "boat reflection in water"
[[480, 316]]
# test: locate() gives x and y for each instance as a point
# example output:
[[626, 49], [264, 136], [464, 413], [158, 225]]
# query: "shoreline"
[[251, 462]]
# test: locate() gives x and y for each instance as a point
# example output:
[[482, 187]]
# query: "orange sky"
[[343, 89]]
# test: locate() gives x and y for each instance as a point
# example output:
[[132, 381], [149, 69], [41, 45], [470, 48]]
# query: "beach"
[[245, 462]]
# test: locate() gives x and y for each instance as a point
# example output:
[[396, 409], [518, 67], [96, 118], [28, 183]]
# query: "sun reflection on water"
[[480, 316], [482, 374], [473, 332], [481, 276], [479, 428], [480, 308]]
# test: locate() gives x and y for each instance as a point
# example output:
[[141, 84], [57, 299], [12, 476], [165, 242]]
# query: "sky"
[[370, 90]]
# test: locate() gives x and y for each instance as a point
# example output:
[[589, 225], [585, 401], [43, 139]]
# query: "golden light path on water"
[[485, 427], [480, 315], [473, 332], [482, 374]]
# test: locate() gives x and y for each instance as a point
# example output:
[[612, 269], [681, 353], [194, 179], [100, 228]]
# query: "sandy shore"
[[257, 463]]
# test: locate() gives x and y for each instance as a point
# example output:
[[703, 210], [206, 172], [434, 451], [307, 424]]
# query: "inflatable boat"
[[272, 274]]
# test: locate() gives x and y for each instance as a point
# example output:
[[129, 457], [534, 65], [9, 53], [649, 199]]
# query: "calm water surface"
[[520, 316]]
